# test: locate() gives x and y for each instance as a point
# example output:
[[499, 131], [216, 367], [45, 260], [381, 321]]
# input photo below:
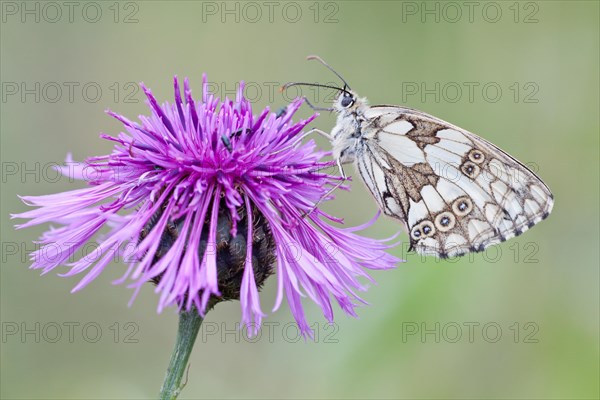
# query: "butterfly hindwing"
[[454, 191]]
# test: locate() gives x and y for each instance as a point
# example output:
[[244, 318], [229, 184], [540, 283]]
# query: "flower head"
[[196, 176]]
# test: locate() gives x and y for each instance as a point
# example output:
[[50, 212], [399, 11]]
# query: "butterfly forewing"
[[454, 191]]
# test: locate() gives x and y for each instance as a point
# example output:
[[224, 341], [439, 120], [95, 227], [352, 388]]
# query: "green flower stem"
[[189, 325]]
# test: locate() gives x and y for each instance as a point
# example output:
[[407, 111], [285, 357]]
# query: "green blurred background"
[[541, 289]]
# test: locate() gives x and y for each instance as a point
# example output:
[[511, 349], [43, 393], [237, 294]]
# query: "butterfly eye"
[[347, 101]]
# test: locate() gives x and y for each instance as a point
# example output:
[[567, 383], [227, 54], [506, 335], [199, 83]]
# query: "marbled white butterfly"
[[453, 191]]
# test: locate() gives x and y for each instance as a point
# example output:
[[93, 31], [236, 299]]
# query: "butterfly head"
[[346, 102]]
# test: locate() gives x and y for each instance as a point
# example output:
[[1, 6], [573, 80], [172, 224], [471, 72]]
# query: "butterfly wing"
[[454, 191]]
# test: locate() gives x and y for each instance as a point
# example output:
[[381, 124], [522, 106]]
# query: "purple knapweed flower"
[[197, 194]]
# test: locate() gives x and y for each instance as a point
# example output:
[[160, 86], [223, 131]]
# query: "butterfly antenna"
[[319, 59], [290, 84]]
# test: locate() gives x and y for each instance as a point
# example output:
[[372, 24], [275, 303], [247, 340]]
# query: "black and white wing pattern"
[[455, 192]]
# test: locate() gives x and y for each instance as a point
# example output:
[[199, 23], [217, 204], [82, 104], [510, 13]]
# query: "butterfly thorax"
[[347, 133]]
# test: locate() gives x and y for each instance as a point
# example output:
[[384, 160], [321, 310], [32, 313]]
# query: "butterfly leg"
[[308, 133], [298, 140], [330, 191], [320, 132]]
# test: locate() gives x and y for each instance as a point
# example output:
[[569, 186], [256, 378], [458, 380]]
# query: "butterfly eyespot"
[[427, 228], [347, 101], [470, 169], [476, 156], [416, 233], [445, 221], [462, 206]]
